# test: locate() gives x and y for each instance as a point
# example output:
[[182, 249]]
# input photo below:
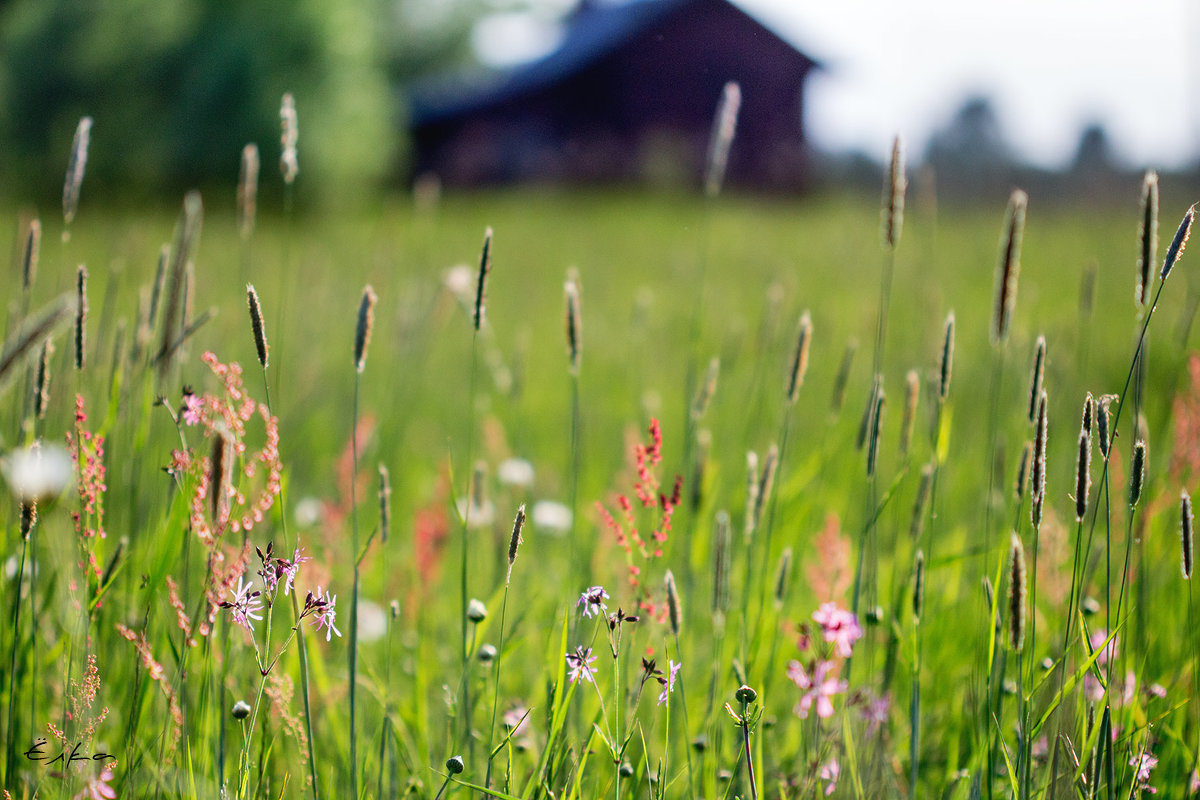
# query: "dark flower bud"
[[241, 709], [454, 765]]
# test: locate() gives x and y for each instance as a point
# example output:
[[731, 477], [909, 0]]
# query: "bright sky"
[[1050, 66]]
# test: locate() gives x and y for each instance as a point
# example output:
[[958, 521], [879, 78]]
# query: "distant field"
[[667, 284]]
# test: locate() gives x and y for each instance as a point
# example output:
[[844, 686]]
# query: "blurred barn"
[[628, 96]]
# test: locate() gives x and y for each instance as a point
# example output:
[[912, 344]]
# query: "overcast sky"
[[1051, 67]]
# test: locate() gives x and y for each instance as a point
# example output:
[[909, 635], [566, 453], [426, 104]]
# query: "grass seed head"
[[751, 493], [800, 358], [1083, 474], [247, 193], [843, 376], [783, 576], [1016, 594], [1088, 413], [1103, 434], [29, 254], [918, 595], [1008, 268], [385, 503], [912, 393], [1137, 473], [707, 389], [766, 483], [1186, 522], [876, 428], [893, 197], [1147, 239], [724, 128], [289, 163], [514, 541], [75, 169], [1023, 469], [1037, 376], [256, 325], [722, 550], [574, 320], [674, 608], [946, 363], [1038, 468], [81, 312], [1179, 243], [485, 266], [41, 389], [362, 332], [917, 524]]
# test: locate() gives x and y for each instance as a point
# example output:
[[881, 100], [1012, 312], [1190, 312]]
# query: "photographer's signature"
[[35, 753]]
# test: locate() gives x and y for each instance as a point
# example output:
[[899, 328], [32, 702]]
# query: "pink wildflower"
[[98, 788], [839, 627], [831, 770], [592, 601], [245, 604], [817, 687], [192, 406], [668, 683], [1144, 762], [580, 663], [325, 614]]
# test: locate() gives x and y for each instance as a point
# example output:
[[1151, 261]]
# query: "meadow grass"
[[144, 597]]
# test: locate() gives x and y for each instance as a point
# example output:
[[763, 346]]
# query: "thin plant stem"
[[353, 649]]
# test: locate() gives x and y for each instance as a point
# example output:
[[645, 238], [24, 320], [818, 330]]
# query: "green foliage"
[[177, 88]]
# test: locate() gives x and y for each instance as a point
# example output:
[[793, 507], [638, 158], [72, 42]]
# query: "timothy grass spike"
[[256, 325], [1016, 594], [1147, 239], [1037, 377], [1186, 522], [783, 576], [917, 525], [1008, 268], [893, 197], [843, 375], [1083, 474], [766, 484], [81, 312], [574, 320], [514, 541], [876, 428], [674, 608], [75, 169], [1137, 473], [751, 493], [722, 550], [41, 390], [1041, 430], [912, 393], [247, 193], [366, 321], [946, 363], [289, 163], [800, 358], [385, 504], [724, 128], [29, 254], [918, 595], [1023, 470], [1103, 434], [707, 389], [1179, 243], [485, 266]]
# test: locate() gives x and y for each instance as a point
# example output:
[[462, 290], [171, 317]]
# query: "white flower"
[[551, 516], [515, 472], [42, 470]]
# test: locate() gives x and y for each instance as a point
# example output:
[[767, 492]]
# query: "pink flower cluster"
[[226, 417], [839, 626], [817, 680]]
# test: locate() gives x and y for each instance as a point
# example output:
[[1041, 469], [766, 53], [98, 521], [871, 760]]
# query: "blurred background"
[[1067, 98]]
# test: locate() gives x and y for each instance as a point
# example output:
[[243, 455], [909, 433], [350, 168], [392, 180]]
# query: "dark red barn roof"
[[628, 96]]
